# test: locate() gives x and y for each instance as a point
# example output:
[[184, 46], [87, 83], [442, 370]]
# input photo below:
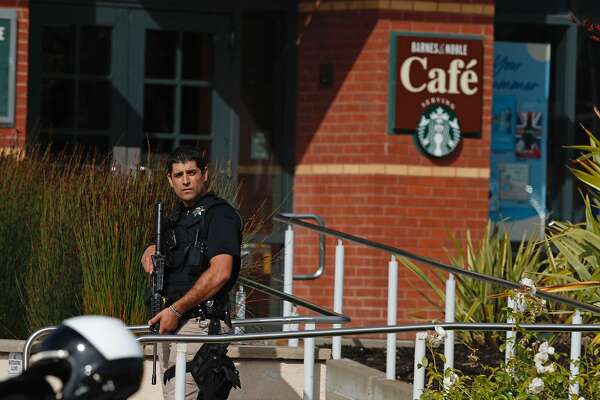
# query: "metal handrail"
[[326, 317], [339, 318], [317, 274], [368, 330], [143, 329], [433, 263]]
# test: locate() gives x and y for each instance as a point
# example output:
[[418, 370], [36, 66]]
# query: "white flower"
[[510, 369], [540, 358], [441, 332], [546, 348], [536, 386], [528, 284], [449, 380], [520, 304], [542, 369], [434, 341]]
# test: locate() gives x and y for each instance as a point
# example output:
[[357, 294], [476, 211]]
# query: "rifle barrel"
[[159, 210]]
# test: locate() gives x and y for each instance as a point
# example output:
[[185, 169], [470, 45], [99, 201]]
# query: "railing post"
[[510, 335], [575, 354], [288, 278], [390, 365], [419, 370], [449, 317], [240, 301], [293, 328], [309, 365], [180, 362], [338, 298]]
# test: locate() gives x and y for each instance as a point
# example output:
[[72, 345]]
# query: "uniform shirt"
[[223, 236]]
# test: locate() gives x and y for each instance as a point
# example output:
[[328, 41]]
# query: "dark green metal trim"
[[8, 119], [564, 108], [534, 19], [439, 35], [184, 82], [184, 136], [209, 6], [392, 83]]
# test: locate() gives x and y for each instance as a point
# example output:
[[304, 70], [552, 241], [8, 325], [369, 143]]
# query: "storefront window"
[[76, 86]]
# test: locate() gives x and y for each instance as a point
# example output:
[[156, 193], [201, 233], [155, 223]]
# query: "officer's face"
[[187, 181]]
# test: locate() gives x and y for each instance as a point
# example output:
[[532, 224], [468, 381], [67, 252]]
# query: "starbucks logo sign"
[[438, 133]]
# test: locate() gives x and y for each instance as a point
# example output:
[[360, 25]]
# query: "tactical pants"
[[168, 353]]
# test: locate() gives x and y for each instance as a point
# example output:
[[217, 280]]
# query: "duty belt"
[[210, 309]]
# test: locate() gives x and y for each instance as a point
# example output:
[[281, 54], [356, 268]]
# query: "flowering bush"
[[536, 371]]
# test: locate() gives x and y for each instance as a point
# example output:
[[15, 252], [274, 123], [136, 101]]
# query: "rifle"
[[158, 277]]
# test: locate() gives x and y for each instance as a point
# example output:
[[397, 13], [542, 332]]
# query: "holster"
[[212, 369]]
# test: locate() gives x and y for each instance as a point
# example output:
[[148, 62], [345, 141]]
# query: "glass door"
[[180, 70], [77, 76], [119, 80]]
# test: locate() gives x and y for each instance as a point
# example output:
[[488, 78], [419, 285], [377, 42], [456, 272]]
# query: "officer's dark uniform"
[[196, 234], [192, 236]]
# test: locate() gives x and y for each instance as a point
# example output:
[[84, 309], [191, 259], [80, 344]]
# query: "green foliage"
[[578, 245], [113, 232], [52, 265], [576, 258], [18, 201], [535, 372], [72, 232], [476, 300]]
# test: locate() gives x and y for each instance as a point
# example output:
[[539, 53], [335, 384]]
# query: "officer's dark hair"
[[183, 154]]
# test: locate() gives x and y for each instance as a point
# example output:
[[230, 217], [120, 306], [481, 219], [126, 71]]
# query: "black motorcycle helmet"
[[95, 358]]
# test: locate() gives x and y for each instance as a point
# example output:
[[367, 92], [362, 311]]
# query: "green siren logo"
[[438, 133]]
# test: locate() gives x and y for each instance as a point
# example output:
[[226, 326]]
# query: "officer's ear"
[[205, 174], [170, 179]]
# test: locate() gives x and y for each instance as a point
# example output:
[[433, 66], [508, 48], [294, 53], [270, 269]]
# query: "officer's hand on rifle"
[[147, 258], [167, 319]]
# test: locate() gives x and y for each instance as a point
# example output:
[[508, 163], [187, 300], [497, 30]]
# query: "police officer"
[[202, 239]]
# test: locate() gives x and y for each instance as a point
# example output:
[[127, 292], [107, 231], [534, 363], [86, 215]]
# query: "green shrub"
[[476, 300], [72, 232], [19, 200], [535, 372]]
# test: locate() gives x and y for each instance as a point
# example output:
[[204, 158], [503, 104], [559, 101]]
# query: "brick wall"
[[365, 182], [14, 137]]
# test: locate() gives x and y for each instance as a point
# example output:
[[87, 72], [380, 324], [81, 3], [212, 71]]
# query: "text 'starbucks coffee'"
[[438, 90]]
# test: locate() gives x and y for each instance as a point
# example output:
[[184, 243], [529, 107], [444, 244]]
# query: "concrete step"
[[350, 380]]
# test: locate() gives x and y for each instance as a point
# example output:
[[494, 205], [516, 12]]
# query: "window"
[[76, 85], [178, 89]]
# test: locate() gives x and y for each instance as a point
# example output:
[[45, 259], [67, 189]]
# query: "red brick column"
[[362, 180], [13, 138]]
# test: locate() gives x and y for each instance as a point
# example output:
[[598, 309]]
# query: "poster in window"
[[504, 110], [519, 138], [529, 132]]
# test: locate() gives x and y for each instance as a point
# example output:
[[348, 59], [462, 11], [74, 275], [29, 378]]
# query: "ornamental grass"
[[72, 231]]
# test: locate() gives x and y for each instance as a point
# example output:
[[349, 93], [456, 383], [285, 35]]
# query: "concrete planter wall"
[[349, 380], [266, 372]]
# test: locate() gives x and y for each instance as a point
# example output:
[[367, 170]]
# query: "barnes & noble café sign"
[[436, 90]]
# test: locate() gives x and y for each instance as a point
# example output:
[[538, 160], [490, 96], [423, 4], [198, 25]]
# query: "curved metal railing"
[[366, 330], [432, 263], [330, 317], [321, 268]]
